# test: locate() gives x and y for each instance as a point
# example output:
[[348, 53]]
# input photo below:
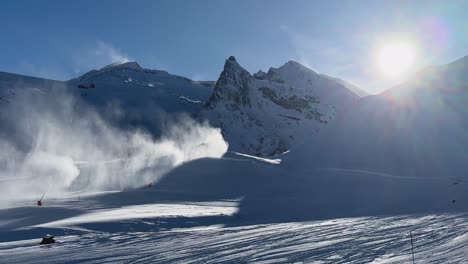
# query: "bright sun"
[[395, 59]]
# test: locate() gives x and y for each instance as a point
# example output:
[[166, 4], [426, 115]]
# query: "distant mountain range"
[[262, 114], [324, 120]]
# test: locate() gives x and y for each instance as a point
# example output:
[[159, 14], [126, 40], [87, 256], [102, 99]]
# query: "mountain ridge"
[[280, 107]]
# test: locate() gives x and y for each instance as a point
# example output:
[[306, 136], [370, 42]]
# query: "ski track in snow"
[[437, 239], [190, 100], [271, 161], [387, 175]]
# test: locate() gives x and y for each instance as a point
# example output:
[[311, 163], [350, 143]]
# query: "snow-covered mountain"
[[143, 97], [135, 87], [267, 113], [417, 129], [261, 114]]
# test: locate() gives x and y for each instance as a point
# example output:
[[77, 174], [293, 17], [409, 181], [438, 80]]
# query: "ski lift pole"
[[39, 203], [412, 251]]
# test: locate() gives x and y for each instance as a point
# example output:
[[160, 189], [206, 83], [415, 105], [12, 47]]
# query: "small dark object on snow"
[[39, 202], [47, 239], [453, 201], [86, 86]]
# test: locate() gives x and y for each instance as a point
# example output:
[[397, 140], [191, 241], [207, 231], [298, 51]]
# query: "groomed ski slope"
[[206, 212], [438, 239]]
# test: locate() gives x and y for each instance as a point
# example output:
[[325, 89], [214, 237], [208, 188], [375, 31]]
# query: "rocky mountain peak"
[[232, 86], [268, 113], [231, 65], [297, 68], [261, 75]]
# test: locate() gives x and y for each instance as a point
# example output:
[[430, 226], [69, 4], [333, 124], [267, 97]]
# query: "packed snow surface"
[[177, 233], [205, 211]]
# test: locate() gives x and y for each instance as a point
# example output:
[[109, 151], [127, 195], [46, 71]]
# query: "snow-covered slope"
[[135, 86], [125, 93], [236, 210], [145, 96], [418, 128], [268, 113], [11, 84]]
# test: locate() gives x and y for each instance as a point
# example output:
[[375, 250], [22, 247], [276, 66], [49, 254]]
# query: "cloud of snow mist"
[[96, 55], [108, 52], [51, 142]]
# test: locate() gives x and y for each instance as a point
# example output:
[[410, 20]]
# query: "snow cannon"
[[47, 239]]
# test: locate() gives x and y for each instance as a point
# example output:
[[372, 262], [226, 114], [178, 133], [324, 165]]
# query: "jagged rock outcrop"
[[268, 113]]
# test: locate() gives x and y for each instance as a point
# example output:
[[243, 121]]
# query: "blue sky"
[[63, 39]]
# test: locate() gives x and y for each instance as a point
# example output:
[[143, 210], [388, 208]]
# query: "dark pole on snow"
[[39, 203], [412, 251]]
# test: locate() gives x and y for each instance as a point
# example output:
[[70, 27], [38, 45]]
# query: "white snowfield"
[[437, 239], [147, 211], [207, 212]]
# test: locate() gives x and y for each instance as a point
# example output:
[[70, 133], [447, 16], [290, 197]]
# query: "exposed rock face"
[[268, 113], [232, 87]]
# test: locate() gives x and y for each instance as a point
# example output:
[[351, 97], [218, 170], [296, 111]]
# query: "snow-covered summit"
[[118, 68], [294, 66], [125, 65], [261, 75], [267, 113]]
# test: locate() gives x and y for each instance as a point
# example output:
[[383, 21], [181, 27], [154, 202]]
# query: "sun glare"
[[395, 59]]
